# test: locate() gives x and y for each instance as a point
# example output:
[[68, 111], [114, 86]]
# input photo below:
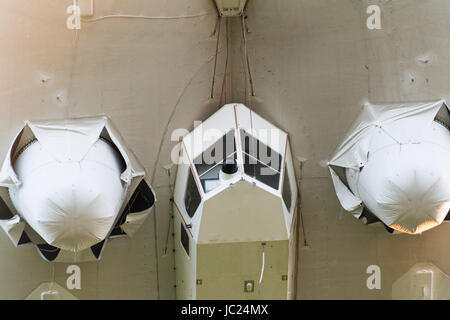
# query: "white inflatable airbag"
[[71, 204]]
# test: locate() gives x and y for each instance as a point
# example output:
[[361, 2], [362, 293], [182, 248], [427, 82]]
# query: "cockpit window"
[[192, 196], [211, 178], [216, 153], [209, 164], [260, 161], [260, 151], [286, 193], [184, 238]]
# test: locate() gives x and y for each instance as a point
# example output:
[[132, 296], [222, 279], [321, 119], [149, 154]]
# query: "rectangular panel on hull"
[[224, 268]]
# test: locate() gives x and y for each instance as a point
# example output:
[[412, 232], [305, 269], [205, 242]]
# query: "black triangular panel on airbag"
[[97, 249], [49, 252], [117, 231], [142, 199], [443, 116], [390, 230], [24, 239], [5, 213]]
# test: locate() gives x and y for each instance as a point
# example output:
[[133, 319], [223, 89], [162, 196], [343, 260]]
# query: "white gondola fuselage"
[[235, 200]]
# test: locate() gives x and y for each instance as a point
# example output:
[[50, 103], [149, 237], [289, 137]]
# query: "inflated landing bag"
[[406, 186], [394, 166], [67, 186], [72, 205]]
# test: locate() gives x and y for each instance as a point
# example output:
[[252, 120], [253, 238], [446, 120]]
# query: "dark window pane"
[[24, 239], [249, 144], [98, 248], [211, 179], [192, 197], [287, 189], [184, 239], [260, 151], [216, 153], [117, 231], [48, 252], [261, 172], [5, 213], [142, 199]]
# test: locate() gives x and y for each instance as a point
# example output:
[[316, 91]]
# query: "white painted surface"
[[396, 158], [71, 204]]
